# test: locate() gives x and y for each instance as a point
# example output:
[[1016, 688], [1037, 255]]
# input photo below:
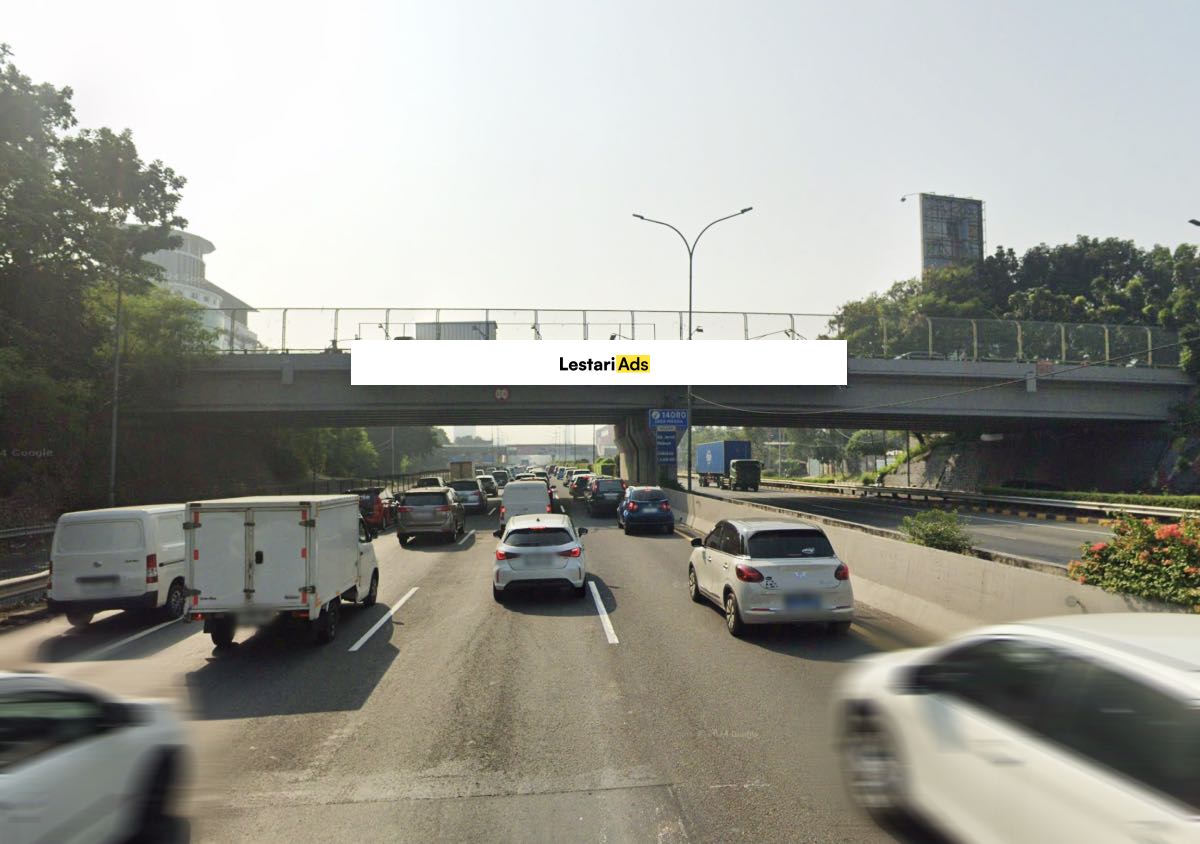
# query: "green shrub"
[[1146, 559], [940, 529], [1184, 502]]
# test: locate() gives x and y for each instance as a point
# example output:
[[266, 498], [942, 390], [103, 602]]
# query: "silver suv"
[[435, 510]]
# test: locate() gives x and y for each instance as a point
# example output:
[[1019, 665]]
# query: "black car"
[[603, 495]]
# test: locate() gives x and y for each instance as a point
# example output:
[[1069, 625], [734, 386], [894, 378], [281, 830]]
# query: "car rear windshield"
[[538, 537], [579, 479], [366, 501], [768, 544], [425, 499], [648, 495], [465, 486], [609, 486]]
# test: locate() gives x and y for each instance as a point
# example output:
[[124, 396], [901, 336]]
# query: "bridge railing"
[[911, 337]]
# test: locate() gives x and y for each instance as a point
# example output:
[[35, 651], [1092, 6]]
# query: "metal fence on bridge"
[[926, 338]]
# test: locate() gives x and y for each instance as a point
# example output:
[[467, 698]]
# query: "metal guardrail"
[[1088, 507], [17, 588], [20, 532]]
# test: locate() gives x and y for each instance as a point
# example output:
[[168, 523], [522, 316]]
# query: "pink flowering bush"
[[1146, 559]]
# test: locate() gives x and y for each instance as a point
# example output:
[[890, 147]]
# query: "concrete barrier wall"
[[938, 591]]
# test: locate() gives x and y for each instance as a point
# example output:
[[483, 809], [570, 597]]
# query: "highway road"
[[1038, 539], [461, 719]]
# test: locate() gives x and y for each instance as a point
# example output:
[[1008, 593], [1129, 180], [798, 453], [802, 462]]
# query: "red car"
[[376, 505]]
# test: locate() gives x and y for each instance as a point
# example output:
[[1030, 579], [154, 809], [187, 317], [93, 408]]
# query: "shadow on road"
[[279, 671], [560, 601], [79, 642], [804, 641]]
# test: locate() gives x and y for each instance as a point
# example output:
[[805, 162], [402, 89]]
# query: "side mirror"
[[697, 542], [497, 533], [582, 531]]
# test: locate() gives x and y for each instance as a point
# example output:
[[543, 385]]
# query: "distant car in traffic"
[[1076, 728], [539, 550], [79, 765], [525, 497], [501, 476], [645, 507], [427, 511], [377, 506], [771, 571], [428, 482], [471, 494], [488, 484], [579, 484], [603, 495], [561, 472]]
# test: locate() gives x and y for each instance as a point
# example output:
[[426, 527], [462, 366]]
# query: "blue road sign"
[[665, 448], [668, 417]]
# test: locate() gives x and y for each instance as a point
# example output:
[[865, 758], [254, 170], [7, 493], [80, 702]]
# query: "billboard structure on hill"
[[951, 231]]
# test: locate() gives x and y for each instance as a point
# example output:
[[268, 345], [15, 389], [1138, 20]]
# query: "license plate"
[[610, 495], [804, 601], [650, 510], [539, 560], [97, 579]]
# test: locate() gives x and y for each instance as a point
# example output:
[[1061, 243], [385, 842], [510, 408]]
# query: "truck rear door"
[[279, 558], [218, 543]]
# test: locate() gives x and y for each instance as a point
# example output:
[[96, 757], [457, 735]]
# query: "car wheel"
[[176, 601], [694, 586], [401, 537], [668, 529], [580, 591], [327, 622], [628, 529], [871, 767], [80, 619], [153, 821], [373, 593], [497, 595], [221, 630], [838, 628], [733, 616], [754, 489]]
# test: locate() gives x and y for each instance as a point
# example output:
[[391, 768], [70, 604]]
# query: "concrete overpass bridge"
[[904, 393]]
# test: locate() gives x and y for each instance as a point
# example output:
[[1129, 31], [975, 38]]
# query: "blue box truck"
[[727, 463]]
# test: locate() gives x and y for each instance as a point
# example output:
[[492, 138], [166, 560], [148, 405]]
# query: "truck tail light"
[[501, 512], [748, 574], [152, 568], [842, 572], [549, 509], [573, 552]]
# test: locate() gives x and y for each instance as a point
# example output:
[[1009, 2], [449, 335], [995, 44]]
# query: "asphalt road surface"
[[1038, 539], [460, 719]]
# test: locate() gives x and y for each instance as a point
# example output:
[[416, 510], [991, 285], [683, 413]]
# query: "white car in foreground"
[[539, 550], [79, 766], [1082, 728], [771, 571]]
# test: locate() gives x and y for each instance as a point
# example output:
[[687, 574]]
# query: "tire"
[[754, 489], [80, 619], [733, 616], [327, 623], [668, 529], [497, 595], [153, 821], [176, 603], [628, 529], [838, 628], [872, 770], [373, 593], [694, 586], [400, 537], [580, 591], [221, 630]]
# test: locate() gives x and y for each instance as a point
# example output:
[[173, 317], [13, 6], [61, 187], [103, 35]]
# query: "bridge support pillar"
[[635, 445]]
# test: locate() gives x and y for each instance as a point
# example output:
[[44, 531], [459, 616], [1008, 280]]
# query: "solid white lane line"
[[466, 536], [609, 633], [381, 621], [107, 648]]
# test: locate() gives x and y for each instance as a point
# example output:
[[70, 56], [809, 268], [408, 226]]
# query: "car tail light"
[[633, 505], [444, 508], [574, 552], [749, 574], [505, 555], [842, 572], [501, 511], [152, 568], [403, 509], [665, 505]]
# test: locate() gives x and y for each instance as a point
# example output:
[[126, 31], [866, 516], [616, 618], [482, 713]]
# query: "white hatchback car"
[[539, 550], [771, 571], [78, 766], [1081, 728]]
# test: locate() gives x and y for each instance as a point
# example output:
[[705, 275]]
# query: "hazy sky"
[[490, 154]]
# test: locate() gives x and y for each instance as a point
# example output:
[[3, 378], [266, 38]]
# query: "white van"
[[123, 558], [523, 498]]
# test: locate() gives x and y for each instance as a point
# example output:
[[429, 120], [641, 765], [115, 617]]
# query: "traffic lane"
[[492, 722], [1050, 541], [740, 728]]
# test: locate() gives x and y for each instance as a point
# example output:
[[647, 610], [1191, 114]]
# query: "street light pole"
[[691, 250], [116, 398]]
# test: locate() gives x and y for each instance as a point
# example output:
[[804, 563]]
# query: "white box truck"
[[251, 560]]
